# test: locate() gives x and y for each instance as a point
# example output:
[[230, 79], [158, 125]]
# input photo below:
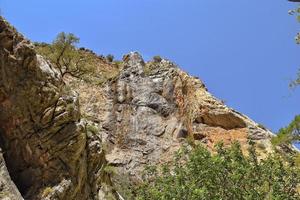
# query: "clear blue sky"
[[243, 50]]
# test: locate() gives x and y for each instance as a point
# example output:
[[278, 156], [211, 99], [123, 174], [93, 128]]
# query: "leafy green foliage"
[[110, 58], [81, 63], [289, 134], [65, 56], [226, 175]]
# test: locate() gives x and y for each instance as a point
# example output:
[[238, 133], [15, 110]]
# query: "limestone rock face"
[[54, 150], [155, 108], [41, 133]]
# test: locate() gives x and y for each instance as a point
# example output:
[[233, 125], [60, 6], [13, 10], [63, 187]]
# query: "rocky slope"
[[58, 139]]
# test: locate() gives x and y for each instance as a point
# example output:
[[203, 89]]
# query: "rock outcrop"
[[44, 140], [155, 108], [54, 150]]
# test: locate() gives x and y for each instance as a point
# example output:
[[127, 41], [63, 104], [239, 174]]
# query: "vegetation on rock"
[[65, 56], [227, 174], [80, 63], [110, 58], [289, 134]]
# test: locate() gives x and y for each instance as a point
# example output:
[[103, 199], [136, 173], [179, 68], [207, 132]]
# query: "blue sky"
[[243, 50]]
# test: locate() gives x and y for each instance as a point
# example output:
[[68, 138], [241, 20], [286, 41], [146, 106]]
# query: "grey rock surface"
[[155, 106]]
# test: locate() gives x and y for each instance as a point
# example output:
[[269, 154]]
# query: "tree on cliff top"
[[62, 52]]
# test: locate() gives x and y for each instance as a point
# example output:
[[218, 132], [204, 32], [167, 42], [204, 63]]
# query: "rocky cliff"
[[59, 138], [43, 137]]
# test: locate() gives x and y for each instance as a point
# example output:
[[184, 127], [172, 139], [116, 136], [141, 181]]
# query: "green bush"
[[110, 58], [226, 175], [157, 59]]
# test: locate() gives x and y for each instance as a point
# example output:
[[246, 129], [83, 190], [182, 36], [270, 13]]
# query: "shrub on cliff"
[[110, 58], [157, 59], [226, 175]]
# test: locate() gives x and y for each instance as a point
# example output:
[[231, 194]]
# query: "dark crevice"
[[199, 136], [2, 141], [20, 173], [183, 133]]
